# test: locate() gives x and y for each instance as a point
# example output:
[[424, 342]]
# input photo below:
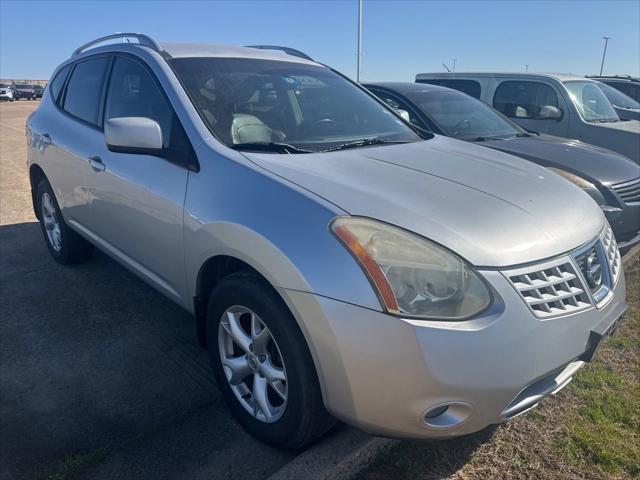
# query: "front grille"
[[574, 282], [553, 290], [629, 192], [613, 254]]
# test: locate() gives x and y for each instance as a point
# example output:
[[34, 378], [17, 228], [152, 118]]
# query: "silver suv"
[[338, 263]]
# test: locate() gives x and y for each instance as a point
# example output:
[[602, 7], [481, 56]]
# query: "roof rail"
[[287, 50], [142, 40]]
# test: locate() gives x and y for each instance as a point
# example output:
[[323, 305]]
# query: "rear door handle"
[[96, 163]]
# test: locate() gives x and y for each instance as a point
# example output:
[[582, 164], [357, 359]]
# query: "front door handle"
[[96, 163]]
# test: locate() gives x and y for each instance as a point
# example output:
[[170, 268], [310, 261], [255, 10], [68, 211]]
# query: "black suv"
[[630, 86], [22, 90]]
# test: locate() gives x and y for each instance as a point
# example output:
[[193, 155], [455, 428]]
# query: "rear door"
[[524, 100], [71, 133], [137, 199]]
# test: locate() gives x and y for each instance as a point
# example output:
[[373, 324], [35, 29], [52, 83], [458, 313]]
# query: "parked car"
[[38, 90], [611, 179], [560, 105], [6, 93], [626, 107], [22, 90], [630, 86], [339, 263]]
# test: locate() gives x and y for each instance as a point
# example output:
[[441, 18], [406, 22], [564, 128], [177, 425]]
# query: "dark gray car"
[[626, 107], [611, 179]]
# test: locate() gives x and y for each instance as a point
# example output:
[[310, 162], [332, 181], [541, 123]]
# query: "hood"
[[596, 164], [491, 208]]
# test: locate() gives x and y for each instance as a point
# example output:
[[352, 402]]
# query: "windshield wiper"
[[604, 120], [269, 147], [487, 139], [365, 142]]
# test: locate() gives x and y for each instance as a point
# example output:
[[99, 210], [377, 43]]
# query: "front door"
[[533, 105], [137, 199]]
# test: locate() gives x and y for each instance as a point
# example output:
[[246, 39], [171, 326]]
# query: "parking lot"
[[99, 372]]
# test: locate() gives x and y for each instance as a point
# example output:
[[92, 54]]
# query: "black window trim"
[[493, 100], [440, 83], [191, 163], [63, 95], [56, 102]]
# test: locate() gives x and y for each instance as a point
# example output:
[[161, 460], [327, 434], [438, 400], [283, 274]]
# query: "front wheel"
[[65, 245], [262, 363]]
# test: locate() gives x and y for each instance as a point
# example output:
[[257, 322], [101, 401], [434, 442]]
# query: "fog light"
[[434, 412], [447, 415]]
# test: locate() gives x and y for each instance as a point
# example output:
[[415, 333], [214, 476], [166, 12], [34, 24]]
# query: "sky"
[[400, 38]]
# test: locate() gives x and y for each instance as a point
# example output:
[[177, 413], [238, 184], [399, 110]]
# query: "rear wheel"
[[262, 363], [65, 245]]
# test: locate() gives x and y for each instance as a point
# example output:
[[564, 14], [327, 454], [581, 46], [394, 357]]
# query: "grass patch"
[[604, 430]]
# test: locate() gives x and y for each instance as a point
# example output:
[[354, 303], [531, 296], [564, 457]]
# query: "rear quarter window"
[[55, 86]]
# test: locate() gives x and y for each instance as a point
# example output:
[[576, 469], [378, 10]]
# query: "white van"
[[561, 105]]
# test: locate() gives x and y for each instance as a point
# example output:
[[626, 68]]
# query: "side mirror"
[[139, 135], [404, 114], [549, 112]]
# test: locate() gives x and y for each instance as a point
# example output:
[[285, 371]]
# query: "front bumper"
[[382, 374]]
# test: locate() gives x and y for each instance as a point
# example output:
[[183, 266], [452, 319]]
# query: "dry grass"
[[590, 430]]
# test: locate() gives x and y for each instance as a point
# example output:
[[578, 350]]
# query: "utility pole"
[[454, 64], [604, 53], [359, 40]]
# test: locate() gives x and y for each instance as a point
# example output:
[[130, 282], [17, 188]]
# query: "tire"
[[301, 418], [65, 245]]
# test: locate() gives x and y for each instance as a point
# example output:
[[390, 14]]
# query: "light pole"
[[359, 40], [454, 64], [604, 53], [526, 68]]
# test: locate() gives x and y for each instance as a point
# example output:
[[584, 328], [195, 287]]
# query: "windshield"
[[309, 107], [591, 102], [617, 98], [463, 117]]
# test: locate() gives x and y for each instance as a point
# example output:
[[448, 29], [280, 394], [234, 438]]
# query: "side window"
[[628, 89], [470, 87], [55, 85], [84, 90], [397, 105], [133, 92], [523, 99]]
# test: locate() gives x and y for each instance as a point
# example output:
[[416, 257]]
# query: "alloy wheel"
[[252, 364], [51, 222]]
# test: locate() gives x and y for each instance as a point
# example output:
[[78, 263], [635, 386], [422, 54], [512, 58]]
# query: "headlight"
[[411, 275], [585, 185]]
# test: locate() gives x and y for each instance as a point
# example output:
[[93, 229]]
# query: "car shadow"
[[97, 365]]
